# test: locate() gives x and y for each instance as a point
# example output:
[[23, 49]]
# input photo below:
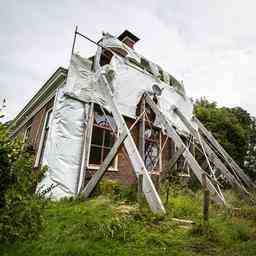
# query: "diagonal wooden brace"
[[217, 162], [171, 132], [149, 190], [104, 166], [229, 160]]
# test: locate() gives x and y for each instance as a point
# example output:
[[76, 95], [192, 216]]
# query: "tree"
[[250, 158], [234, 128]]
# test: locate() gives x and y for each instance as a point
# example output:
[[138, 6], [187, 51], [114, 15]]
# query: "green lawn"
[[107, 226]]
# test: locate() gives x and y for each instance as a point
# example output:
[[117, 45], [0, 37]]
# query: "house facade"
[[33, 123]]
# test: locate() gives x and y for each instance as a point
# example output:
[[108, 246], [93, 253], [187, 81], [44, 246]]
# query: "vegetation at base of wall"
[[108, 225], [21, 210]]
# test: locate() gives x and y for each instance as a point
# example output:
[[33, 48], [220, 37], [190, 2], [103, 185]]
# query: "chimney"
[[128, 38]]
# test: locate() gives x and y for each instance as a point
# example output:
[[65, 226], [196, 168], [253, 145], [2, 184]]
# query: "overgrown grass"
[[115, 225]]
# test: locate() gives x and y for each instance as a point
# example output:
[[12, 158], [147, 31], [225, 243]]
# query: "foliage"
[[107, 226], [250, 158], [21, 214], [234, 128]]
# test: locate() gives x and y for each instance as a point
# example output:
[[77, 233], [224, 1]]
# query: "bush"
[[21, 214]]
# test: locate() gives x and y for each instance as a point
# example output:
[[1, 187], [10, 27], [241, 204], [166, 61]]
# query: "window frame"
[[90, 166], [42, 139], [27, 133], [155, 141]]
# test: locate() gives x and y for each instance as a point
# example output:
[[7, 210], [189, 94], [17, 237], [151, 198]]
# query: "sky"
[[208, 44]]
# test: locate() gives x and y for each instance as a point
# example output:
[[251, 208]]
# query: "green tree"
[[250, 158], [230, 126]]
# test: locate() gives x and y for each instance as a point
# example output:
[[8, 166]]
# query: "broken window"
[[103, 138]]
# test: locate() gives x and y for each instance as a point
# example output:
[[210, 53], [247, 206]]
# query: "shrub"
[[21, 214]]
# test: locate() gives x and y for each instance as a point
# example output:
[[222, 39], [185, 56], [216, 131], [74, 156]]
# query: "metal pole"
[[74, 41]]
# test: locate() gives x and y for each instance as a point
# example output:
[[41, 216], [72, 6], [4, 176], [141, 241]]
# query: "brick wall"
[[36, 123], [125, 173]]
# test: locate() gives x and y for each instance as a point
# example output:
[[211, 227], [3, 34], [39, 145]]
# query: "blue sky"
[[209, 44]]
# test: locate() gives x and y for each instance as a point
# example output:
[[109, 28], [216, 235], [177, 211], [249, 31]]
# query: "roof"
[[39, 99]]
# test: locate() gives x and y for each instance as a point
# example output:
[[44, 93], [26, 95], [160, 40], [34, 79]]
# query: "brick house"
[[73, 122], [33, 123]]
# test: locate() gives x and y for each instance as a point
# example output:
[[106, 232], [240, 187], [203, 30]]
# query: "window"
[[45, 132], [152, 149], [102, 140], [27, 135]]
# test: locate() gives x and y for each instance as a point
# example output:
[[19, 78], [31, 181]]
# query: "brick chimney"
[[128, 38]]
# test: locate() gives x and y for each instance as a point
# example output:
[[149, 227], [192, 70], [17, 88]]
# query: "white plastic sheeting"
[[64, 143], [63, 148]]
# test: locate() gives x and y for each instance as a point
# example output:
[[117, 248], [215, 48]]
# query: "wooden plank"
[[151, 195], [226, 156], [142, 130], [171, 132], [211, 154], [104, 166], [183, 221]]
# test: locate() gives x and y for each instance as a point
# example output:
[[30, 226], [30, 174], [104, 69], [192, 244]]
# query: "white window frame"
[[94, 166], [40, 147]]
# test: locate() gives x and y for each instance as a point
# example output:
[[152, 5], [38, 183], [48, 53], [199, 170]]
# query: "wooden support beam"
[[104, 166], [211, 154], [226, 156], [156, 180], [171, 132], [206, 199], [137, 162], [142, 130]]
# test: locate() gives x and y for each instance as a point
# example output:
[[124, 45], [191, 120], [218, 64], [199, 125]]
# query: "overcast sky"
[[209, 44]]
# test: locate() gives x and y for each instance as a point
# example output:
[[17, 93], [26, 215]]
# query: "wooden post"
[[206, 199], [156, 180], [74, 41], [171, 166], [142, 130], [139, 188]]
